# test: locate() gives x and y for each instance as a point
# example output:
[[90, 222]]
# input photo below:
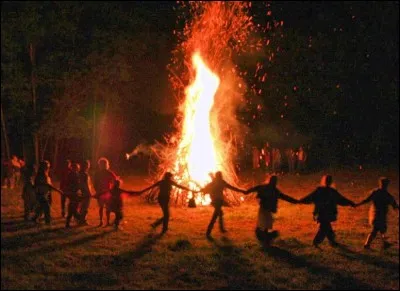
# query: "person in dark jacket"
[[28, 191], [381, 199], [116, 204], [85, 181], [73, 193], [43, 188], [326, 199], [216, 190], [63, 184], [165, 186], [268, 195]]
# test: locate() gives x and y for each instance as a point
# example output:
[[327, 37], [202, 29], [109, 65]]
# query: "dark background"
[[335, 79]]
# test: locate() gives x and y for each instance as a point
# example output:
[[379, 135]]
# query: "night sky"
[[347, 52]]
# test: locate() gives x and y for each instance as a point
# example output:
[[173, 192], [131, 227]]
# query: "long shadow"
[[355, 256], [27, 239], [339, 280], [61, 246], [18, 225], [233, 265], [106, 274]]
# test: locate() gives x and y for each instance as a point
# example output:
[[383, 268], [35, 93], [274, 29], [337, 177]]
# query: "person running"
[[381, 199], [216, 188], [115, 204], [268, 195], [165, 186], [326, 199]]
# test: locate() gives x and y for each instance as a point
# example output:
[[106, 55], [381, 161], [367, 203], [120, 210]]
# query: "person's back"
[[268, 195], [165, 190], [73, 184], [381, 199], [103, 180], [216, 190], [326, 200]]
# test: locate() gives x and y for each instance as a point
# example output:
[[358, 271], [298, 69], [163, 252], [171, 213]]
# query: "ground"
[[137, 257]]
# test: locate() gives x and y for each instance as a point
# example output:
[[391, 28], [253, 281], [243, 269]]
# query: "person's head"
[[273, 180], [103, 164], [384, 183], [326, 180], [117, 183], [44, 167], [168, 176], [68, 164], [75, 167], [218, 175], [86, 166]]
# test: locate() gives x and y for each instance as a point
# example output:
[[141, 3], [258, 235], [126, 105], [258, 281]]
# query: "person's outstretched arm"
[[254, 189], [234, 188], [182, 187], [365, 201], [55, 189], [130, 192], [287, 198], [148, 188], [308, 199], [343, 201], [394, 203]]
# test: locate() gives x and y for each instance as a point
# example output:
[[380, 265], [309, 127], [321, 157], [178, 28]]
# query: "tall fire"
[[210, 88], [198, 149]]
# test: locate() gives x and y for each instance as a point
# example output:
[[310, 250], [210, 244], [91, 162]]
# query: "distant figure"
[[326, 199], [216, 190], [6, 174], [16, 171], [276, 160], [86, 193], [43, 188], [116, 203], [103, 182], [291, 159], [63, 184], [165, 186], [268, 195], [73, 193], [267, 157], [256, 158], [301, 160], [381, 199], [28, 191]]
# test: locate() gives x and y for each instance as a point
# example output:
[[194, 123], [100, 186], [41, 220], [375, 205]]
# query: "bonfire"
[[210, 88]]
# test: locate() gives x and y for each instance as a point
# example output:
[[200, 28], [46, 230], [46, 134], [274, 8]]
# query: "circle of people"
[[76, 181]]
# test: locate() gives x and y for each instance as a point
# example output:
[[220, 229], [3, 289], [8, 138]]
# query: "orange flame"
[[196, 151]]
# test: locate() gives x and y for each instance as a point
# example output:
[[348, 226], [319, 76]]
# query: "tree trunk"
[[3, 126], [44, 148], [94, 158], [55, 154], [33, 87]]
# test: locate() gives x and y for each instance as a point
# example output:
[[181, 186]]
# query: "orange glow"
[[197, 149]]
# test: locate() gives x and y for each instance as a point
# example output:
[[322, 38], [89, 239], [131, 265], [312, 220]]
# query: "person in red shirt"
[[103, 182]]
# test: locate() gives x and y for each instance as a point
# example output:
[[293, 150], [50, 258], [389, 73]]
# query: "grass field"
[[137, 257]]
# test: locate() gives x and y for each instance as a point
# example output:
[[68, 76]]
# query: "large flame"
[[197, 148]]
